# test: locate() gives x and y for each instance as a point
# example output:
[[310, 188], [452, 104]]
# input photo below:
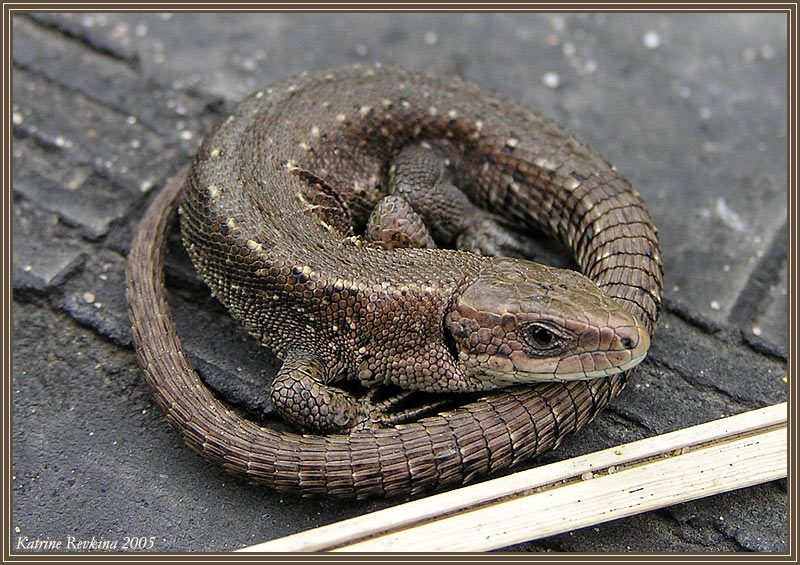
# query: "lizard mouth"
[[499, 379]]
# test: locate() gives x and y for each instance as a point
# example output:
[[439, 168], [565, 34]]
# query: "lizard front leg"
[[301, 395]]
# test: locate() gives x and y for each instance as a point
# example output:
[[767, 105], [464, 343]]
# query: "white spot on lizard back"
[[545, 164]]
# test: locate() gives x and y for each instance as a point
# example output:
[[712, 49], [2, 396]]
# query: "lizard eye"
[[542, 338]]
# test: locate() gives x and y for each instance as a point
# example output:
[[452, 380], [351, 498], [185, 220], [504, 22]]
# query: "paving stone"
[[73, 131], [116, 83], [96, 297], [690, 107], [741, 517], [80, 197], [43, 258]]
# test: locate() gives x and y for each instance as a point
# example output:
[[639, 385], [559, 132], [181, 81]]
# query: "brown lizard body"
[[274, 205]]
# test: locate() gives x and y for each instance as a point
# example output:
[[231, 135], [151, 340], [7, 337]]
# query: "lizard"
[[285, 215]]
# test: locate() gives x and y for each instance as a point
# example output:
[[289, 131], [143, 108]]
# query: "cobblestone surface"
[[691, 108]]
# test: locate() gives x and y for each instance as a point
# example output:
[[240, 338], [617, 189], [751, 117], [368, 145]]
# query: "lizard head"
[[520, 322]]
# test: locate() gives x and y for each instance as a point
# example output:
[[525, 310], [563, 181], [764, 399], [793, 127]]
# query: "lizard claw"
[[380, 415]]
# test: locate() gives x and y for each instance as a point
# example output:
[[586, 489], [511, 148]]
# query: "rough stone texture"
[[691, 108]]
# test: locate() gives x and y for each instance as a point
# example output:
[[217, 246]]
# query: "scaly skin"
[[270, 207]]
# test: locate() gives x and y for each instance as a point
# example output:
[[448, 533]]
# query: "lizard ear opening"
[[450, 341]]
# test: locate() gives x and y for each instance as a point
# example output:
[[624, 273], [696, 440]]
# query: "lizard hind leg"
[[428, 193], [395, 224]]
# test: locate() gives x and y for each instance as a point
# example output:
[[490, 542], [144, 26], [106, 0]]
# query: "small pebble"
[[551, 79], [558, 23], [651, 39]]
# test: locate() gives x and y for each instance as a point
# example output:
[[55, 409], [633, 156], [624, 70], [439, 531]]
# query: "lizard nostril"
[[626, 342]]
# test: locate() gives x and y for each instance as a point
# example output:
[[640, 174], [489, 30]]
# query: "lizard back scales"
[[318, 147]]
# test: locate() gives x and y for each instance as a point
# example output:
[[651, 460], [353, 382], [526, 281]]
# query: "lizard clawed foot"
[[488, 237], [380, 415]]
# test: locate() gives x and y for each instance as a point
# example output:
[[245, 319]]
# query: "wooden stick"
[[687, 464]]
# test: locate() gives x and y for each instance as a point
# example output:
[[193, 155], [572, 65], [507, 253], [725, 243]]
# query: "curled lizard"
[[285, 215]]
